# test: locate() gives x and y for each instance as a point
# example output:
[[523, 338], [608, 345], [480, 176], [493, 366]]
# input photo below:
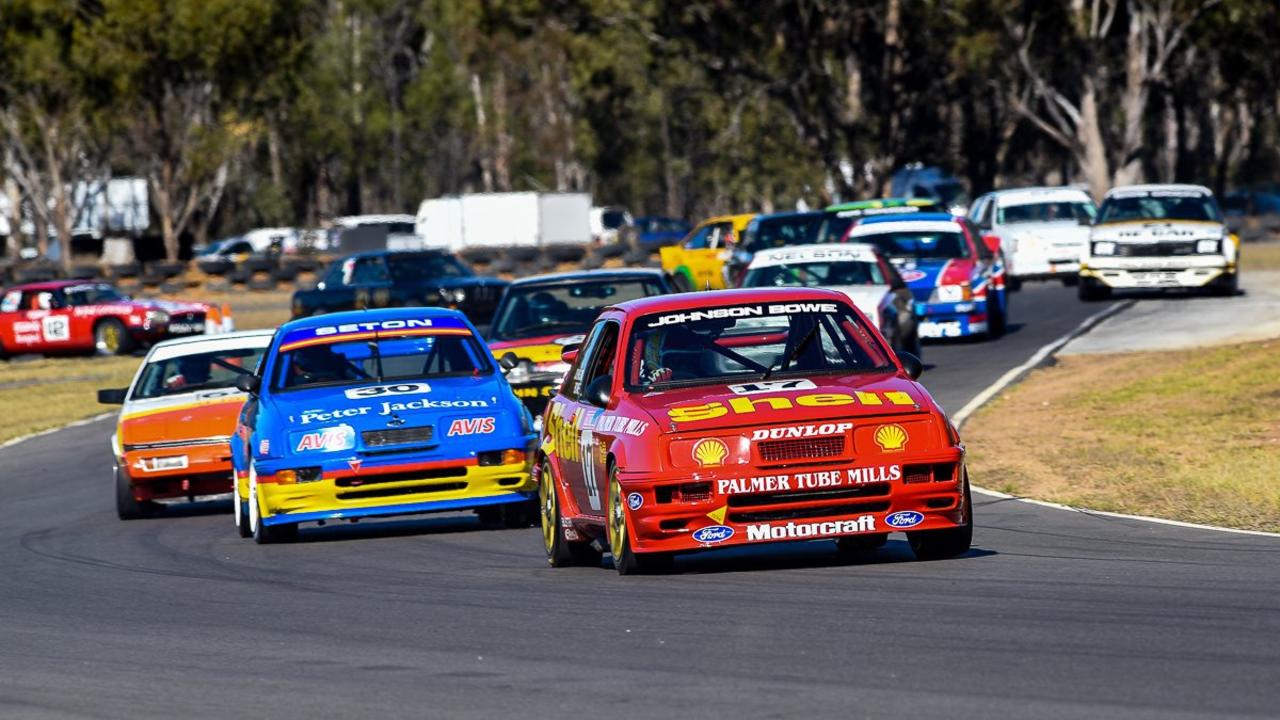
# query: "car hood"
[[1156, 231], [204, 415], [538, 350], [1054, 232], [798, 399]]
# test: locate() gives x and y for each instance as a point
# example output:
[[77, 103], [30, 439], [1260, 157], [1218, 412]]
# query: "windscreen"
[[920, 245], [426, 267], [1160, 205], [198, 371], [781, 231], [533, 310], [815, 274], [95, 294], [1045, 213], [364, 352], [713, 345]]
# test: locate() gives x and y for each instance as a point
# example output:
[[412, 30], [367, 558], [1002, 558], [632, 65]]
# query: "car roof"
[[789, 213], [914, 217], [693, 300], [178, 347], [1022, 196], [588, 275], [876, 203], [372, 315], [56, 284], [1177, 187]]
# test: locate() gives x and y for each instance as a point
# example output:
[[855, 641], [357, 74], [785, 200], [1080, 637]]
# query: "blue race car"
[[377, 413], [956, 274]]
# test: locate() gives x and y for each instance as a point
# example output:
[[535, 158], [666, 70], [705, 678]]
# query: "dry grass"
[[49, 392], [1191, 435], [1260, 256]]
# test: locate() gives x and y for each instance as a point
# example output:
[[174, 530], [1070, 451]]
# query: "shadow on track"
[[798, 556]]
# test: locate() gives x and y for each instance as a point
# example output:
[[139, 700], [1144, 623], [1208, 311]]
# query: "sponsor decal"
[[354, 464], [264, 447], [616, 424], [712, 534], [710, 452], [904, 519], [740, 311], [810, 480], [764, 386], [56, 328], [912, 275], [330, 439], [718, 514], [794, 531], [375, 326], [747, 405], [386, 409], [471, 426], [161, 464], [891, 438], [362, 393], [534, 391], [801, 431], [365, 330], [635, 501]]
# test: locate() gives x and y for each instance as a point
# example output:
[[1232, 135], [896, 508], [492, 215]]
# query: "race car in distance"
[[1159, 237], [698, 262], [539, 316], [379, 413], [772, 230], [855, 269], [837, 219], [385, 278], [956, 274], [172, 440], [79, 316], [1042, 231], [706, 420]]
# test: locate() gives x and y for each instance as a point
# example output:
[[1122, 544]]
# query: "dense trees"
[[249, 112]]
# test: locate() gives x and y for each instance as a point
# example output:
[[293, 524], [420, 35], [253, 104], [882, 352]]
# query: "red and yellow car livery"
[[708, 420], [172, 438]]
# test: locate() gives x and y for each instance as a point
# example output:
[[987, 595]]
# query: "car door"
[[48, 311], [564, 425], [593, 447]]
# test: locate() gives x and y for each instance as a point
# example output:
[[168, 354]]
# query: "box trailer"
[[504, 220]]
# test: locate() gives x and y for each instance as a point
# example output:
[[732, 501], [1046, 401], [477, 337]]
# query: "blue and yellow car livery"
[[378, 413]]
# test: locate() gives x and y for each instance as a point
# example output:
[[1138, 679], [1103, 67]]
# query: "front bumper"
[[951, 320], [394, 490], [928, 495], [1050, 262], [1139, 272]]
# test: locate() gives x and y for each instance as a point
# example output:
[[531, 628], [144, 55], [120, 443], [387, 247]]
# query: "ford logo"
[[635, 501], [713, 534], [904, 519]]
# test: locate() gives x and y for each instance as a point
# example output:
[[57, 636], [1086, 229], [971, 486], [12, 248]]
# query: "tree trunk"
[[1092, 150], [482, 135], [503, 141]]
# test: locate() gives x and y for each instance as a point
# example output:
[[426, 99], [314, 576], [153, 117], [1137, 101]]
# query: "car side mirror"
[[113, 396], [508, 362], [598, 392], [911, 365], [249, 383], [992, 242], [569, 353]]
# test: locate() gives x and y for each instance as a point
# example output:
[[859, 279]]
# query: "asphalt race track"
[[1053, 614]]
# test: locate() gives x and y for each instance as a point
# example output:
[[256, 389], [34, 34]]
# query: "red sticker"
[[471, 426]]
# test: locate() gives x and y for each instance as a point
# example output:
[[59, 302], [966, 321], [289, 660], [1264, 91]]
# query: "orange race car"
[[172, 440]]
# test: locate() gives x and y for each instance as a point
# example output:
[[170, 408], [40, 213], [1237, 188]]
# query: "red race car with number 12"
[[708, 420]]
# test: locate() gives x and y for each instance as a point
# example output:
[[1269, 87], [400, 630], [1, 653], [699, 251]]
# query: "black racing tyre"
[[110, 337], [127, 508], [560, 552], [612, 250], [258, 263], [1014, 284], [520, 515], [1227, 285], [564, 252], [625, 560], [262, 533], [995, 319], [285, 273], [240, 511], [1070, 280], [126, 270], [949, 543], [261, 283], [1090, 290], [524, 253]]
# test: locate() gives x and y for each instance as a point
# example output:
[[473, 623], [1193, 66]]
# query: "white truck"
[[1159, 237], [1042, 230], [504, 220]]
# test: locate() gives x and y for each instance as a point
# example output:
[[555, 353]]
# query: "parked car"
[[654, 232], [699, 261], [75, 316], [539, 316], [1043, 231], [1159, 237], [172, 439], [234, 249], [609, 223], [380, 279]]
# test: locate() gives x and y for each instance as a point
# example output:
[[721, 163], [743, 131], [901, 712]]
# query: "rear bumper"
[[806, 511], [952, 320], [195, 470], [401, 509]]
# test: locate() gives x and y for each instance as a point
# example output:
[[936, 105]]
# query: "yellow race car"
[[699, 261]]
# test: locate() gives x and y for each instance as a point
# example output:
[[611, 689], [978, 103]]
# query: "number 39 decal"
[[364, 393]]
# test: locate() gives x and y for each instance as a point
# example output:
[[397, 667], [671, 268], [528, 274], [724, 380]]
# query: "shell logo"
[[891, 438], [710, 452]]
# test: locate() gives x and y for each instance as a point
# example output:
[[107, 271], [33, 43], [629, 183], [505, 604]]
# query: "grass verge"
[[38, 394], [1260, 256], [1192, 435]]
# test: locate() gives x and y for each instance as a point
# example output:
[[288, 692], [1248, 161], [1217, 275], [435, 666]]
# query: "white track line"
[[1008, 378], [50, 431]]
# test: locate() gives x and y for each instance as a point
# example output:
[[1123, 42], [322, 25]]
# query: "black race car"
[[389, 278]]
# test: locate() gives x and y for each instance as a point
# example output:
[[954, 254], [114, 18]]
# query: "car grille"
[[802, 449], [1164, 248], [398, 436], [381, 492], [372, 477]]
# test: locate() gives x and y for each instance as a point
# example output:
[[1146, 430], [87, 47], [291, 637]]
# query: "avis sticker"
[[471, 426], [330, 439]]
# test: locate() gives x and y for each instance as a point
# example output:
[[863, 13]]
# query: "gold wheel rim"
[[547, 501], [617, 520], [111, 338]]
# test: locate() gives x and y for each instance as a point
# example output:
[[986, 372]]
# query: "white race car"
[[855, 269], [1043, 230], [1159, 236]]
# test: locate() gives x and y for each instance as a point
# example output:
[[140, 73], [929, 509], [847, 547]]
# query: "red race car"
[[707, 420], [66, 316]]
